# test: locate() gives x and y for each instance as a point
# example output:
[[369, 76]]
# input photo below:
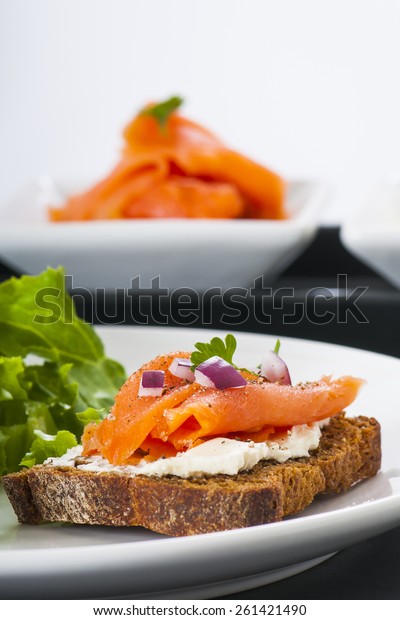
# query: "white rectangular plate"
[[85, 561]]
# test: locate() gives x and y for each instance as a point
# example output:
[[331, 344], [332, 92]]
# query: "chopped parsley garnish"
[[222, 349], [163, 110], [277, 346], [216, 346]]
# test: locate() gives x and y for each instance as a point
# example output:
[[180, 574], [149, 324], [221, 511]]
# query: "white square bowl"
[[372, 232], [199, 254]]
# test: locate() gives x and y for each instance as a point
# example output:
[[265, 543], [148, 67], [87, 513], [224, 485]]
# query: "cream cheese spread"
[[216, 456]]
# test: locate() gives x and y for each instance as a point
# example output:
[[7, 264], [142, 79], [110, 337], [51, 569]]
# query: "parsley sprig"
[[222, 349], [216, 346], [163, 110], [277, 346]]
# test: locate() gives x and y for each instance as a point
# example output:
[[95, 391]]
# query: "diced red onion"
[[180, 367], [217, 373], [274, 369], [151, 383]]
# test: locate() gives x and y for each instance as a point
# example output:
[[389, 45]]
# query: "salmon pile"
[[177, 169], [188, 413]]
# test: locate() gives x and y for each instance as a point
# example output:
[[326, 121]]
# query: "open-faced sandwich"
[[194, 444]]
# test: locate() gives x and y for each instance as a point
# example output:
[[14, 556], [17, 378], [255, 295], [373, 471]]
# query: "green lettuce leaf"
[[10, 387], [16, 438], [38, 316], [69, 381], [3, 456], [45, 446], [98, 383]]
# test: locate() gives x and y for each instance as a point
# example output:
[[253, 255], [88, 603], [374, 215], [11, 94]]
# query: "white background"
[[309, 87]]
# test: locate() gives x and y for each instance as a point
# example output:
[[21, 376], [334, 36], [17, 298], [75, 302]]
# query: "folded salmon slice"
[[108, 199], [181, 170], [184, 197], [133, 417], [188, 412], [212, 412]]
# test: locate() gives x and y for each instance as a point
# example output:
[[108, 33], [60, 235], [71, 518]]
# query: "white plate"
[[185, 253], [372, 234], [85, 561]]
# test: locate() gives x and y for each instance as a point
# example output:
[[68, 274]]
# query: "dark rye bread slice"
[[349, 451]]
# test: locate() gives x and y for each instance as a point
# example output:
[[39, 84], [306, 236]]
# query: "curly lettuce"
[[54, 374]]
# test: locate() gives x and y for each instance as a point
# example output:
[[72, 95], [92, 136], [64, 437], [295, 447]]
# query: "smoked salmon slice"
[[132, 418], [221, 412], [178, 170], [188, 412], [185, 197]]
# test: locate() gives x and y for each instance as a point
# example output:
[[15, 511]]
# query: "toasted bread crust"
[[349, 451]]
